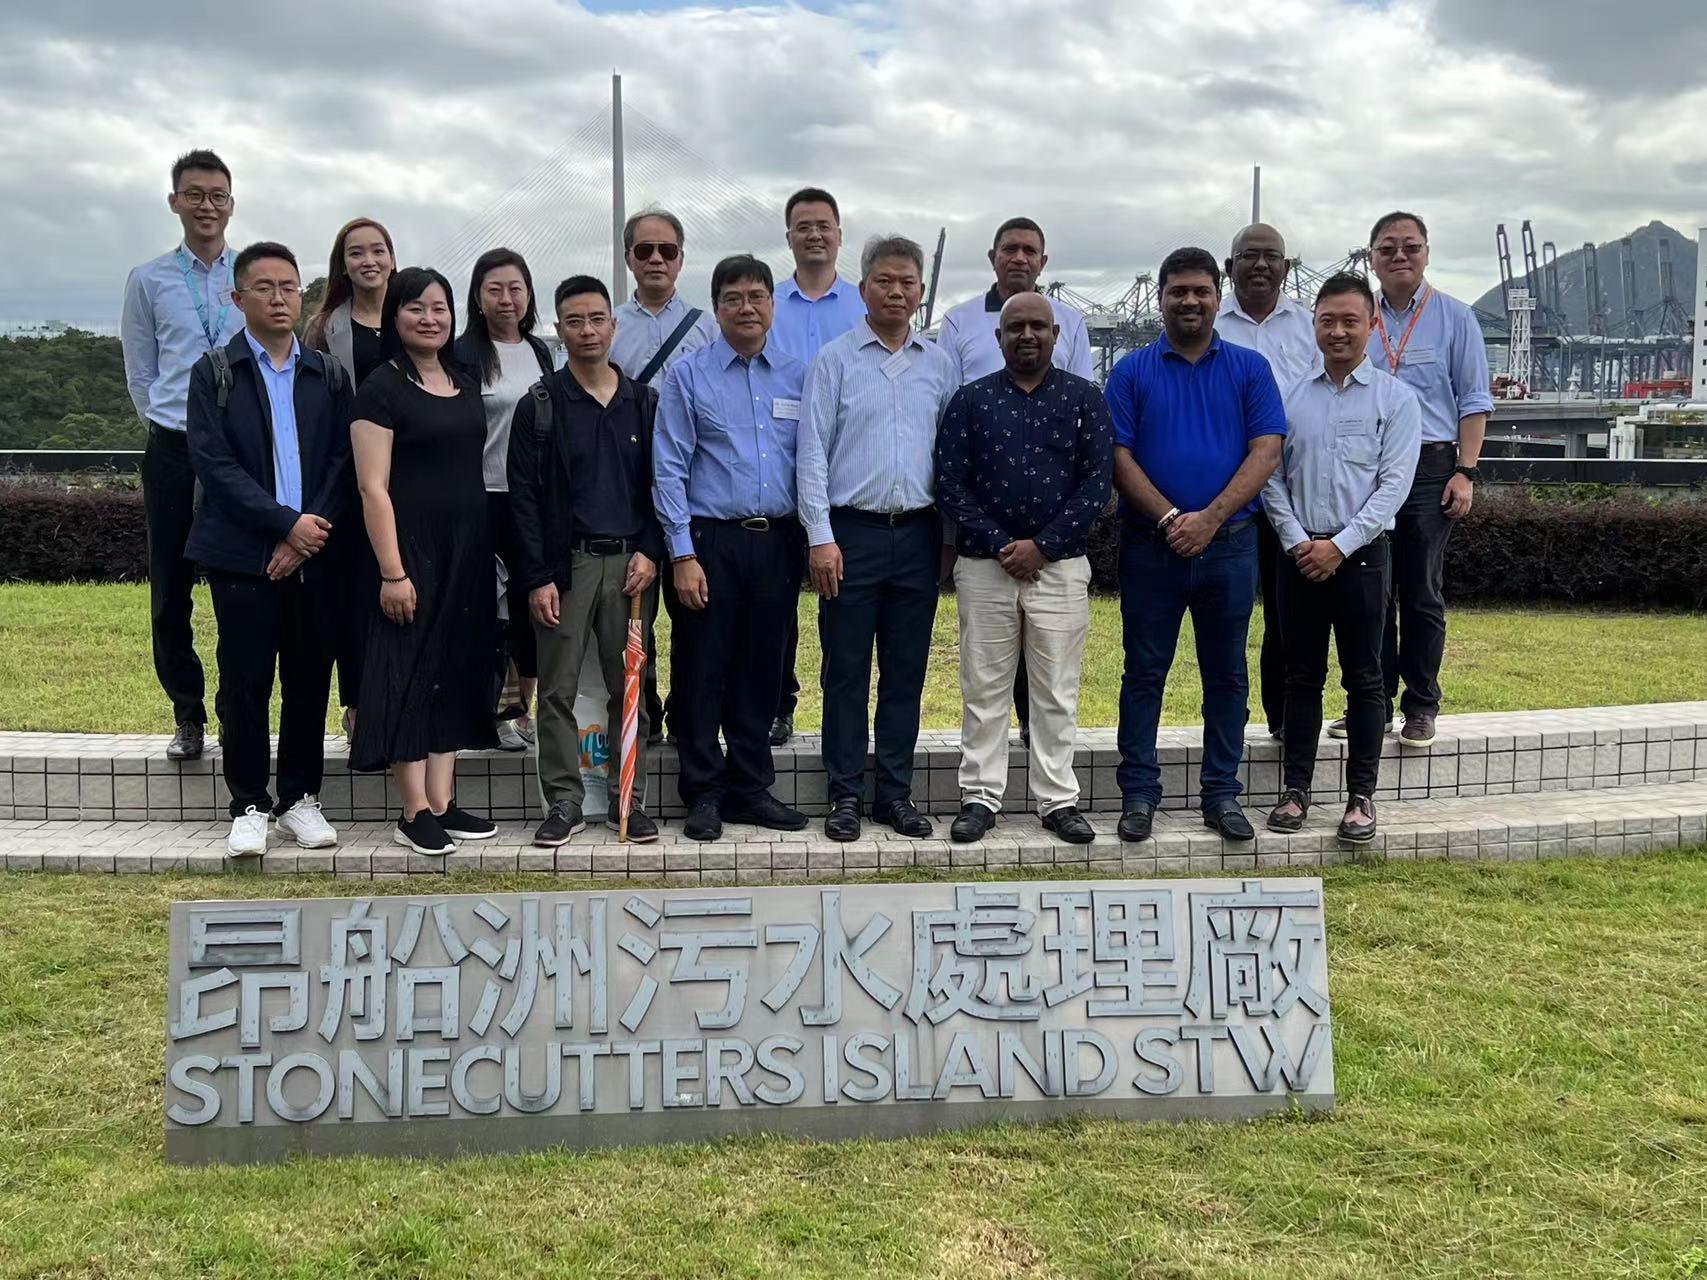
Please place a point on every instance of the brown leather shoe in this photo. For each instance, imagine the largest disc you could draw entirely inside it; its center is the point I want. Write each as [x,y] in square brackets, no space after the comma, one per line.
[1418,730]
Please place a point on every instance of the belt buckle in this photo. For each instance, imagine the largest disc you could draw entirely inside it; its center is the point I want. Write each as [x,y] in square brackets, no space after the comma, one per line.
[758,524]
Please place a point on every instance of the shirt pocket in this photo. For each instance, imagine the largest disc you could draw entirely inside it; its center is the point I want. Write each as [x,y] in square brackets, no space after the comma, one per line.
[1358,447]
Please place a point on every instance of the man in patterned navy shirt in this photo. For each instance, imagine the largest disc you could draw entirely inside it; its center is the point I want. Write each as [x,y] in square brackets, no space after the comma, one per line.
[1024,459]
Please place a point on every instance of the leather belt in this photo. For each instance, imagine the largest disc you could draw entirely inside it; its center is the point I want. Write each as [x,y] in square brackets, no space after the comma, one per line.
[888,519]
[605,546]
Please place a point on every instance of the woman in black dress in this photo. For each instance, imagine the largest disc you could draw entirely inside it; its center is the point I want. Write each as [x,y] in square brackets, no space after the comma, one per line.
[425,691]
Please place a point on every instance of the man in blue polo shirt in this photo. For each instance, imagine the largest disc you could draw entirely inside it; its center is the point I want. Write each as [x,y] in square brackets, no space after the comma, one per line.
[1198,424]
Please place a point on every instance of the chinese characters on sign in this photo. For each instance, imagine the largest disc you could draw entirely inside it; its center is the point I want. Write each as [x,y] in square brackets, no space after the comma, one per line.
[414,1024]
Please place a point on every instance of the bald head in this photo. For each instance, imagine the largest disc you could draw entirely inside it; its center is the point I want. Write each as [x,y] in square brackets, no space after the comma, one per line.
[1027,333]
[1257,268]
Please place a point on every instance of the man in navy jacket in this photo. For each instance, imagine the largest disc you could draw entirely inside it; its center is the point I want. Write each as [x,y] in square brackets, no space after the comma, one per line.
[269,437]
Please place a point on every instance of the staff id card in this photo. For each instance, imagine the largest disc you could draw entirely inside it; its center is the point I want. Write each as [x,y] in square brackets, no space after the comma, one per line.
[785,410]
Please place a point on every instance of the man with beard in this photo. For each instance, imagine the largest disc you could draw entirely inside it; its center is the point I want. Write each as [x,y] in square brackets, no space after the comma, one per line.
[1262,317]
[1198,424]
[1023,459]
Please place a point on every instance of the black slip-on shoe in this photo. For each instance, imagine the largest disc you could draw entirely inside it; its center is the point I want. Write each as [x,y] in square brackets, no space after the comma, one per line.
[904,818]
[1071,825]
[843,822]
[972,823]
[1135,820]
[1229,822]
[459,824]
[765,810]
[424,834]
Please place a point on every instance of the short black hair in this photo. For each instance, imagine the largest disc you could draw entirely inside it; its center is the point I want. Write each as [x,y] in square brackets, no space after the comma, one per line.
[810,195]
[1345,282]
[1018,224]
[1181,261]
[575,286]
[200,158]
[1398,215]
[742,266]
[636,219]
[255,252]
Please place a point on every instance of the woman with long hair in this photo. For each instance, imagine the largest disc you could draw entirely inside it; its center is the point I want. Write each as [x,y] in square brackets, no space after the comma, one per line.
[417,435]
[346,327]
[504,358]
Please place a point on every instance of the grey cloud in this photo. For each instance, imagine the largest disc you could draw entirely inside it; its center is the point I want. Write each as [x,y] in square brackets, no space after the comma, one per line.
[1645,49]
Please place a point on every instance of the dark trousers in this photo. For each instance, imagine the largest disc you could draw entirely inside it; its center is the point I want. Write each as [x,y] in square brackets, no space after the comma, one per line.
[1157,588]
[348,557]
[726,659]
[517,639]
[1272,664]
[292,624]
[169,502]
[1353,605]
[1415,640]
[888,597]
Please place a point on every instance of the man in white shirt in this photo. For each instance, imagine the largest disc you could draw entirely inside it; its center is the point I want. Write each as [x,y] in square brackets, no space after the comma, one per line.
[1261,316]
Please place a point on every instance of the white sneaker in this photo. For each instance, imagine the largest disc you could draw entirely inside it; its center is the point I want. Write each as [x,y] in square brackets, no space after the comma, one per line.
[248,838]
[510,738]
[308,825]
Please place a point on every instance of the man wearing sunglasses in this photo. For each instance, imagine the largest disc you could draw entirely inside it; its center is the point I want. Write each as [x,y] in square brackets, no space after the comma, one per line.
[1262,317]
[177,308]
[652,330]
[1432,344]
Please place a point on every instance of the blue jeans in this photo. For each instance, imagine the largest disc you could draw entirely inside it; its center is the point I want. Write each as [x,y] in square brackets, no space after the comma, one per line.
[1156,589]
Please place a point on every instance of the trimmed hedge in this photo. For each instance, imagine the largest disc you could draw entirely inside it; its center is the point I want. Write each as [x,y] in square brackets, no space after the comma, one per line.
[1515,547]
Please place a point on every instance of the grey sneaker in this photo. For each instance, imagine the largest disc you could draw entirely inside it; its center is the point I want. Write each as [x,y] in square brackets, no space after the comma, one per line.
[1337,729]
[1418,730]
[563,821]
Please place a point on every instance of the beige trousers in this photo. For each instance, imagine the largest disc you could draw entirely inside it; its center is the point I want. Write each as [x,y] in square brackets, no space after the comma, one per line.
[1051,618]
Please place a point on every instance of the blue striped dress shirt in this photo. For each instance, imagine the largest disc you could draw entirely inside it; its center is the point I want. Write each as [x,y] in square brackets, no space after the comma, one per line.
[868,427]
[161,330]
[723,445]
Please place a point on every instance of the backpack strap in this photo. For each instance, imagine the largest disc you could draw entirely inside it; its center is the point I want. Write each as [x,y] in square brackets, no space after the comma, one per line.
[221,363]
[541,411]
[335,375]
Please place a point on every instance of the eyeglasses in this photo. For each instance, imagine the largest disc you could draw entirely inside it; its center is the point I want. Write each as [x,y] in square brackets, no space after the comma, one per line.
[574,324]
[266,290]
[644,252]
[1410,249]
[195,197]
[1251,257]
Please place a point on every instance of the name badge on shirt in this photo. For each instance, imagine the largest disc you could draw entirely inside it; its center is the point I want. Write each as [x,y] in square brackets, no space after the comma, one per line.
[785,410]
[895,365]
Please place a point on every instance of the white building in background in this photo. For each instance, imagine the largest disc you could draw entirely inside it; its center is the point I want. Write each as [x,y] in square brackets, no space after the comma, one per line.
[1700,396]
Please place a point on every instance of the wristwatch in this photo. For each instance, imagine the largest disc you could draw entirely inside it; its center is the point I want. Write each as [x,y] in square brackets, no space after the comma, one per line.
[1472,474]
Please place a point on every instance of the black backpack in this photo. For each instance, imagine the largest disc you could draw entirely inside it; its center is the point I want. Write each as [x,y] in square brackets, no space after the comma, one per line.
[222,375]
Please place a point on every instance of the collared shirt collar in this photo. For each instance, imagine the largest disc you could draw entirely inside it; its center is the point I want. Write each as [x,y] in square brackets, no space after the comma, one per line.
[993,299]
[262,358]
[1282,304]
[575,391]
[1168,347]
[791,287]
[1049,375]
[674,300]
[227,255]
[1423,288]
[870,336]
[726,355]
[1363,373]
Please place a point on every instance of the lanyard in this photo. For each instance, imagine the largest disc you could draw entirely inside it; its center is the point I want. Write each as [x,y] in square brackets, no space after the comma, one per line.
[1396,357]
[211,333]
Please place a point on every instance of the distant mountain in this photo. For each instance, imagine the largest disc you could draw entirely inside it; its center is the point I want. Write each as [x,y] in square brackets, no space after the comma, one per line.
[1573,273]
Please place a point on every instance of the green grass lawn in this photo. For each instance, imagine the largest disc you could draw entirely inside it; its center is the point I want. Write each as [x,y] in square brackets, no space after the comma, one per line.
[1518,1047]
[76,658]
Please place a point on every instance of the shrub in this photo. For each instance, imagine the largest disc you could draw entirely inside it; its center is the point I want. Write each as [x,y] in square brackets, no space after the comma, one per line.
[54,534]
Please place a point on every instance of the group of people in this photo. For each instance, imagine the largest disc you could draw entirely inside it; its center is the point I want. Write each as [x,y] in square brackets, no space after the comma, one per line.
[450,520]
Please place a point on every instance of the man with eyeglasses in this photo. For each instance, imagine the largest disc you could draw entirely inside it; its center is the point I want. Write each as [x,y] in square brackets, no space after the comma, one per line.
[867,490]
[177,308]
[268,433]
[655,328]
[1262,317]
[1431,343]
[587,542]
[723,462]
[813,306]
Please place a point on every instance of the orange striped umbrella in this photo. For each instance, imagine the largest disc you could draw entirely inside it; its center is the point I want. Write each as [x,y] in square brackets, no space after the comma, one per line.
[633,665]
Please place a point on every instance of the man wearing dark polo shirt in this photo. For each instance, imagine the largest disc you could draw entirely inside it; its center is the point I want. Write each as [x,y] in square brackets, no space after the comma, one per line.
[1198,424]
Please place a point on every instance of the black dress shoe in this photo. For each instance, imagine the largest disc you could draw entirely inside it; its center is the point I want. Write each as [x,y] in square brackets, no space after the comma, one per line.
[906,820]
[782,729]
[1229,822]
[1279,820]
[843,822]
[1359,834]
[187,742]
[1135,821]
[972,823]
[703,822]
[1071,825]
[765,810]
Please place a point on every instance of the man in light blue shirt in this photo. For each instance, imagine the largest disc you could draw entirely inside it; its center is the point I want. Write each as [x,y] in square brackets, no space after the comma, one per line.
[1260,316]
[867,477]
[723,475]
[656,326]
[1432,344]
[281,403]
[813,306]
[1352,435]
[177,308]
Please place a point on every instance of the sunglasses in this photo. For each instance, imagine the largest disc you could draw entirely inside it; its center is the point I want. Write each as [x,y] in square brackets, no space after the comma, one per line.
[646,250]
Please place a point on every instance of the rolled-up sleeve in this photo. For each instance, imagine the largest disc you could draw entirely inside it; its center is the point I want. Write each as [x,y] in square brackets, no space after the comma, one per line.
[1470,366]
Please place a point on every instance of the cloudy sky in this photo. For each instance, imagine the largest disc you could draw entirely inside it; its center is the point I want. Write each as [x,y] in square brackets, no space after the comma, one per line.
[1126,127]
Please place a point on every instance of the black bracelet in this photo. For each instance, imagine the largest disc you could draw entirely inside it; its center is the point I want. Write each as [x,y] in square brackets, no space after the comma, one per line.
[393,581]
